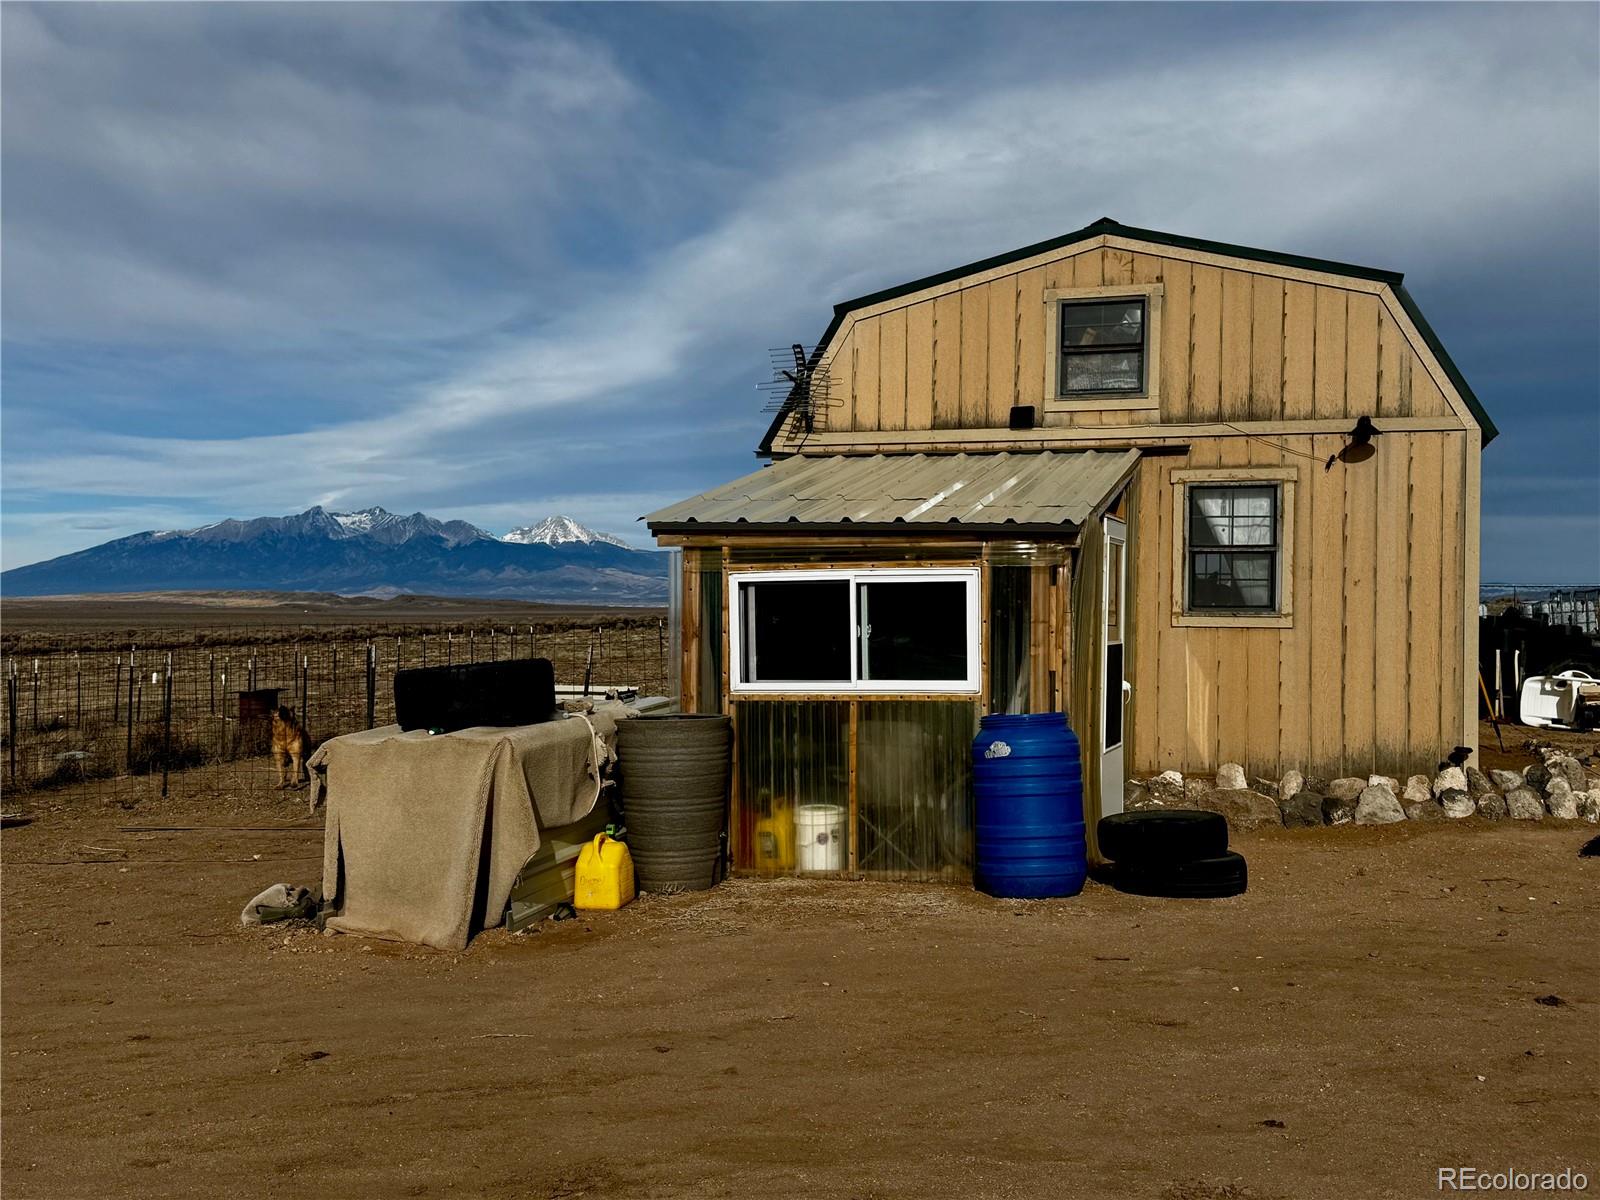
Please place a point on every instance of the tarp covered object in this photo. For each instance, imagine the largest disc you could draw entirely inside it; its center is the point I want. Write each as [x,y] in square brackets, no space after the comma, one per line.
[425,834]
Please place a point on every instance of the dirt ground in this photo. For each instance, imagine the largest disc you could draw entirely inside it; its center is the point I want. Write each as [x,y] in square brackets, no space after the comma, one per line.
[1518,742]
[1370,1011]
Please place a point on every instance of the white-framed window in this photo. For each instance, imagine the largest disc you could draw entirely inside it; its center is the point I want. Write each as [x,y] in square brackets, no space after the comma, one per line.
[883,630]
[1233,561]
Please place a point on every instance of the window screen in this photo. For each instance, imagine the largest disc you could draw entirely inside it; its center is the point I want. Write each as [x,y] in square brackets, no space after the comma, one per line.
[1102,347]
[1233,548]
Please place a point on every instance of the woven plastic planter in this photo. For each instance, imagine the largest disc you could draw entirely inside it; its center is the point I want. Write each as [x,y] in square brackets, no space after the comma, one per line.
[674,772]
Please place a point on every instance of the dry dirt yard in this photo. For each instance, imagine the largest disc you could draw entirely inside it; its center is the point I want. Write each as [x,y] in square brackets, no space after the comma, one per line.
[1368,1012]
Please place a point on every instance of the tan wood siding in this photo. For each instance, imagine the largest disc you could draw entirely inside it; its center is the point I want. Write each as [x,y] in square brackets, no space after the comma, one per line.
[1235,345]
[1370,674]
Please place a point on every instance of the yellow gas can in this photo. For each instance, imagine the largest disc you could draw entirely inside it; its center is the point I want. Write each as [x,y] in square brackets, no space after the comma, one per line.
[605,874]
[775,839]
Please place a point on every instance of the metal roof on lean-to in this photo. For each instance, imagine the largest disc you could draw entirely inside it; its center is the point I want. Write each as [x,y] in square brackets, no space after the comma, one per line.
[1002,492]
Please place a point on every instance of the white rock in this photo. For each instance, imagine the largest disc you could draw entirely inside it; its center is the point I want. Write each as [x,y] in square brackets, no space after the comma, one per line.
[1173,778]
[1506,780]
[1568,768]
[1291,785]
[1523,804]
[1457,803]
[1378,806]
[1418,789]
[1384,781]
[1347,788]
[1230,778]
[1560,801]
[1588,805]
[1450,779]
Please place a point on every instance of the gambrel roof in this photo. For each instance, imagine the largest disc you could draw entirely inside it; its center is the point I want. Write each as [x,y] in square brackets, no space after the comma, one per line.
[1106,227]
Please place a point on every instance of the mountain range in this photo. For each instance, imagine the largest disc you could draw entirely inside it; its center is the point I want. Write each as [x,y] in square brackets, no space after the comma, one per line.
[371,552]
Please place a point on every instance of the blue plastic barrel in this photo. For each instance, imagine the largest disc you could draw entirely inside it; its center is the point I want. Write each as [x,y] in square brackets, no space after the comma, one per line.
[1029,787]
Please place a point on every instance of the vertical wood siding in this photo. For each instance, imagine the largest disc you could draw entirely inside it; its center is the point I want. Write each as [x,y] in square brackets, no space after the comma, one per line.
[1370,674]
[1235,345]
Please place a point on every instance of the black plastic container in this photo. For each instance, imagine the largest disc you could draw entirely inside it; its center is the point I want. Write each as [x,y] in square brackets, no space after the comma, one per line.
[518,692]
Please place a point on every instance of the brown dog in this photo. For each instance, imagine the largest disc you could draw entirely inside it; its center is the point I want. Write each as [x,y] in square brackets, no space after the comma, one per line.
[289,745]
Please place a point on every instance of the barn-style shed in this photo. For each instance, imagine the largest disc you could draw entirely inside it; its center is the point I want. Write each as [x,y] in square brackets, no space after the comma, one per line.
[1122,474]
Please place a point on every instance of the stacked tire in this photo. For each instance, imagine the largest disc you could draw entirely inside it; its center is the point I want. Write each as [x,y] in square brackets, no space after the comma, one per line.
[1178,852]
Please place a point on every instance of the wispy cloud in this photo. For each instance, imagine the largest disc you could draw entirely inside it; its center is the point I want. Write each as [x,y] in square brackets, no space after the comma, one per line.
[579,304]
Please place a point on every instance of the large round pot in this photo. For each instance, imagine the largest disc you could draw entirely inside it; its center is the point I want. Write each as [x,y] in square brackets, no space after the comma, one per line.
[674,771]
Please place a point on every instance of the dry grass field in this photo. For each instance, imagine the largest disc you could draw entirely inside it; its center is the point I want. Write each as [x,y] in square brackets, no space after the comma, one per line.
[86,679]
[1376,1006]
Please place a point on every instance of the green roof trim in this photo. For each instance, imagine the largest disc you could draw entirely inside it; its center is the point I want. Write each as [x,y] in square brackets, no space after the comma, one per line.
[1106,226]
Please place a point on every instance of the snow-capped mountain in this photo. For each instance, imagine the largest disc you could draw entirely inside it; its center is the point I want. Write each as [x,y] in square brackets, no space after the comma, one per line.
[392,529]
[358,553]
[554,531]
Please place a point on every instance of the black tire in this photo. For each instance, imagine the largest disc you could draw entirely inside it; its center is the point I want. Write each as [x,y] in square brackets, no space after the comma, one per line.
[1155,837]
[1201,879]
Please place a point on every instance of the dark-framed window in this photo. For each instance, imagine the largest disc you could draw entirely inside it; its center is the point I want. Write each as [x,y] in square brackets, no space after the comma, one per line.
[1233,547]
[1102,345]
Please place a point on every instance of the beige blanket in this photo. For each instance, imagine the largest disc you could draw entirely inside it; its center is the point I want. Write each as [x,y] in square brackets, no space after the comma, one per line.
[425,834]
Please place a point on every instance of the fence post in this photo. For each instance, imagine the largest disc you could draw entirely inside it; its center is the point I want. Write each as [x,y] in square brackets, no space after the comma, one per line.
[511,632]
[116,690]
[77,679]
[424,649]
[588,668]
[211,678]
[372,683]
[129,756]
[305,692]
[36,694]
[11,718]
[472,645]
[222,725]
[166,726]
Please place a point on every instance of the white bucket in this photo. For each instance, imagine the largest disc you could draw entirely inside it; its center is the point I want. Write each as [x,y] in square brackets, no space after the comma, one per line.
[819,837]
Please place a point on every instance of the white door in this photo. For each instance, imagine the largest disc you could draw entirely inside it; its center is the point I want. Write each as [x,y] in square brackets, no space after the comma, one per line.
[1115,688]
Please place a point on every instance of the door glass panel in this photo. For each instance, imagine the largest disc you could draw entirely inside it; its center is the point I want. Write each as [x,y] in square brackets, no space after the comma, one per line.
[1113,695]
[1114,591]
[913,630]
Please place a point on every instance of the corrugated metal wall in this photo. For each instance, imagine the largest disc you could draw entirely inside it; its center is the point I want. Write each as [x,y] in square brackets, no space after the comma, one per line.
[914,788]
[913,782]
[788,753]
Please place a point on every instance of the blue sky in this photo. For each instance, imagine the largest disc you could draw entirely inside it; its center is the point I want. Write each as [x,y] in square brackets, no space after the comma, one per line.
[497,262]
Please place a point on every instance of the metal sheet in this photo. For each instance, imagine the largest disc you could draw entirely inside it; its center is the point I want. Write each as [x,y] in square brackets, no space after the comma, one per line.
[1048,488]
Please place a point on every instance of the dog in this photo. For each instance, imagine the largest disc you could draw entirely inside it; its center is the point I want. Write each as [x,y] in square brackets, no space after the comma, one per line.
[289,745]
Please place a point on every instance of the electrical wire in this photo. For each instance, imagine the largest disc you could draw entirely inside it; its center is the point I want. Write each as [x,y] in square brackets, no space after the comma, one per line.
[1275,445]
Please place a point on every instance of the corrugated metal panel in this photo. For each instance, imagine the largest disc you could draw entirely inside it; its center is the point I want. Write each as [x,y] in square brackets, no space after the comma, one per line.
[1050,488]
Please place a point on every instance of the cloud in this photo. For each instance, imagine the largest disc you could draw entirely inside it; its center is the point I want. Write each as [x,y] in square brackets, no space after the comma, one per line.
[432,185]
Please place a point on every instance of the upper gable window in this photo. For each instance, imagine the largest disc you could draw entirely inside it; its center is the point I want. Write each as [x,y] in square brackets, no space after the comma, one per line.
[1103,347]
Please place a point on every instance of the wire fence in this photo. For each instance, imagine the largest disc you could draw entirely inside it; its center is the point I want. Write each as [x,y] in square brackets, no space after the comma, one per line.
[189,711]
